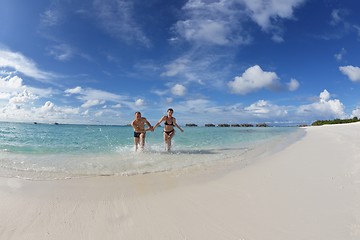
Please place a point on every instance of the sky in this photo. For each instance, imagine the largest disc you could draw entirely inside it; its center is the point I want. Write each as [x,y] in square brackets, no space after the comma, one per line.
[283,62]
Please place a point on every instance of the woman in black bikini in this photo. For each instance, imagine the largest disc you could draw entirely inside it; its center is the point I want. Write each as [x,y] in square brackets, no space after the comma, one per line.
[169,130]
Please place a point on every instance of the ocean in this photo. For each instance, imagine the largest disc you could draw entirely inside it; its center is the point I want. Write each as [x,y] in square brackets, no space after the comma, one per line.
[51,152]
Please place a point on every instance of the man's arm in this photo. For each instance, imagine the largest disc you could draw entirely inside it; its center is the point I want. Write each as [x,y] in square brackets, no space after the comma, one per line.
[148,124]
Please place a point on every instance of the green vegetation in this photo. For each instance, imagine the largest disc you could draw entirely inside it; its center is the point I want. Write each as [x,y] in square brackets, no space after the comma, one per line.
[335,121]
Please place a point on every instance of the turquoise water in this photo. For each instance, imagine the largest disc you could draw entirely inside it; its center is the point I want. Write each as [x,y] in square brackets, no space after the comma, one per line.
[44,151]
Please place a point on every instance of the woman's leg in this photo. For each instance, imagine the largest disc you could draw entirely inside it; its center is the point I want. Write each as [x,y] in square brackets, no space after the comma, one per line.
[167,140]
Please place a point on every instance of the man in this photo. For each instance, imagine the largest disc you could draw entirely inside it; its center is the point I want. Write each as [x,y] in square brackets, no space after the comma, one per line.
[139,130]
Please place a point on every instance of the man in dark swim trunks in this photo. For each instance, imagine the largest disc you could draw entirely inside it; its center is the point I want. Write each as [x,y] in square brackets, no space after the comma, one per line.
[139,130]
[169,130]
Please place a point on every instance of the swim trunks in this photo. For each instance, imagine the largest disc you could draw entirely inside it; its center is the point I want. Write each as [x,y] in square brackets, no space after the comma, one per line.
[137,134]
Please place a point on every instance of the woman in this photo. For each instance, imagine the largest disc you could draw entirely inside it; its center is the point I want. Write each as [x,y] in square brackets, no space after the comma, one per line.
[169,130]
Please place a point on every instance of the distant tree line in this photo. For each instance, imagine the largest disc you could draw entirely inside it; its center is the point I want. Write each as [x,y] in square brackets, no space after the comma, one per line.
[334,121]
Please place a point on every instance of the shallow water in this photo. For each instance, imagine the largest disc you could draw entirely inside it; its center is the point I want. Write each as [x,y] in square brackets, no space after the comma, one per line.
[43,151]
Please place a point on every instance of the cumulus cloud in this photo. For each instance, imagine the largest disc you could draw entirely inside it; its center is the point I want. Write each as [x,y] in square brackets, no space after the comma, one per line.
[324,96]
[24,65]
[23,97]
[178,90]
[51,112]
[324,108]
[10,83]
[253,79]
[19,102]
[48,107]
[139,102]
[353,73]
[356,112]
[293,85]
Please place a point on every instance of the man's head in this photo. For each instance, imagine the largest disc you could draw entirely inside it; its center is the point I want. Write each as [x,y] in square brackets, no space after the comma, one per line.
[137,115]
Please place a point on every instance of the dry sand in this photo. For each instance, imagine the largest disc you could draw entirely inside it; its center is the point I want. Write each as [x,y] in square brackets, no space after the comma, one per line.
[309,190]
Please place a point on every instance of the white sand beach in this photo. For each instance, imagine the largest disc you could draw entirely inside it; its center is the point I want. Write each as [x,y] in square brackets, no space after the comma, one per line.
[308,191]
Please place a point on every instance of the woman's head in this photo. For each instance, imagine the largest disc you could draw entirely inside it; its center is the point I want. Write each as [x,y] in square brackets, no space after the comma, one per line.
[170,111]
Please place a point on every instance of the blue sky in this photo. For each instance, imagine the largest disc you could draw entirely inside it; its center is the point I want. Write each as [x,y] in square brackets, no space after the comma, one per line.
[212,61]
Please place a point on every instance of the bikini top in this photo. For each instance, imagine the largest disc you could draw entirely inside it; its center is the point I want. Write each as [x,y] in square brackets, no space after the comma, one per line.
[166,123]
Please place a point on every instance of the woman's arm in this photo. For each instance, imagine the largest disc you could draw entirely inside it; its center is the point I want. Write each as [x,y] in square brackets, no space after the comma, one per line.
[159,122]
[177,125]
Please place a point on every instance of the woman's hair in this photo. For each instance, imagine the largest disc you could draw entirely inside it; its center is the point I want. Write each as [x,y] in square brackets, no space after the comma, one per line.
[170,109]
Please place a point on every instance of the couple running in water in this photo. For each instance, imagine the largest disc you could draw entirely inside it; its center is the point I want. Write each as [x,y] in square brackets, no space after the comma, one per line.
[139,129]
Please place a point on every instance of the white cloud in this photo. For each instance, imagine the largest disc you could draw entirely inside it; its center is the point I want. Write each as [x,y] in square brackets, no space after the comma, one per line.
[61,52]
[200,67]
[117,18]
[224,22]
[194,105]
[10,83]
[92,102]
[23,97]
[204,30]
[293,85]
[353,73]
[215,22]
[253,79]
[263,12]
[178,90]
[76,90]
[93,97]
[357,29]
[51,17]
[5,95]
[24,65]
[324,108]
[324,96]
[116,106]
[47,107]
[356,112]
[264,109]
[169,100]
[339,56]
[337,16]
[139,102]
[176,67]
